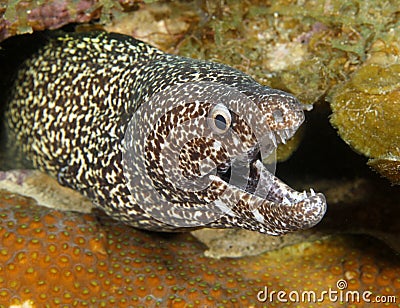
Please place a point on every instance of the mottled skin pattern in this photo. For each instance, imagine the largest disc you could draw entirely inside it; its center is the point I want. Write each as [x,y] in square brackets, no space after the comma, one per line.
[70,109]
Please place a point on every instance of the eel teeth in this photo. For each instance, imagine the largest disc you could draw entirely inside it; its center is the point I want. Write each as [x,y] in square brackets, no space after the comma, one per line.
[312,192]
[284,135]
[286,201]
[275,142]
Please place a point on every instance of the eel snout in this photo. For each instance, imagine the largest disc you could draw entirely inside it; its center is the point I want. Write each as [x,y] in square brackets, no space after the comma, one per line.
[283,114]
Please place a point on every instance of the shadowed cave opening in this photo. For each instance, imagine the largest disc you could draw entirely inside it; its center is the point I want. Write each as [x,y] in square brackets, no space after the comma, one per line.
[322,154]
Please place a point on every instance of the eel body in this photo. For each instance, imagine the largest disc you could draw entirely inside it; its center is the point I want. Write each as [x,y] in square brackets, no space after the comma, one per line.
[158,141]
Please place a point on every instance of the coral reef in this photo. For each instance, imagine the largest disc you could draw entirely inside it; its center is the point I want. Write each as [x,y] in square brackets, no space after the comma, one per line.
[60,258]
[18,17]
[366,112]
[304,49]
[330,50]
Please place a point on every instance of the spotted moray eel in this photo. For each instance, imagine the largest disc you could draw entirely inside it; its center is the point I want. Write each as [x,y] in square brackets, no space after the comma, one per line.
[89,108]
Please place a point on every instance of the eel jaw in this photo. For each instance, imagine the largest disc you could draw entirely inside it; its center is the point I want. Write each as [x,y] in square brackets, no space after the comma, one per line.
[268,205]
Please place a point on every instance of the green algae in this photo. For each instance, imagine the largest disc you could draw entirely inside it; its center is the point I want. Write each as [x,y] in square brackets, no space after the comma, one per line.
[305,48]
[366,112]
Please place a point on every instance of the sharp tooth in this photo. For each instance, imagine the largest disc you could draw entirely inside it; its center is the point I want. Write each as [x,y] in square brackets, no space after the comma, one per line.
[282,136]
[273,138]
[307,107]
[312,192]
[304,194]
[279,137]
[213,177]
[287,134]
[286,201]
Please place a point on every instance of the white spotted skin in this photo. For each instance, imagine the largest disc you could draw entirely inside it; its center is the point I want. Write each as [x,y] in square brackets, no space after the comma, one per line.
[71,104]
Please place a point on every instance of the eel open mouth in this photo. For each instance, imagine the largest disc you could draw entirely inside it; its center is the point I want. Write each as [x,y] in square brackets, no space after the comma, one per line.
[278,191]
[262,201]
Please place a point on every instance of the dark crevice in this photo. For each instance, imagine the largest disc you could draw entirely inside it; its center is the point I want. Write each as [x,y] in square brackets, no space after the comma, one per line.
[322,154]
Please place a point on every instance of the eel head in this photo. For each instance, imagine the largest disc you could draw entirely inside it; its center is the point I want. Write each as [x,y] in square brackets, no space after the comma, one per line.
[193,158]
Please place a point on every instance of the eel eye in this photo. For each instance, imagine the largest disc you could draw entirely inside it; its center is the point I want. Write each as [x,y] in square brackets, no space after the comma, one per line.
[220,119]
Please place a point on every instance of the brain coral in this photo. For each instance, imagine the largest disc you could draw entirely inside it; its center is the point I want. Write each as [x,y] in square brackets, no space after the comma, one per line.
[67,259]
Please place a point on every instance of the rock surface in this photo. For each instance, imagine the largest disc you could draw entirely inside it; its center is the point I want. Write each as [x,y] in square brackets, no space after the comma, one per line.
[366,112]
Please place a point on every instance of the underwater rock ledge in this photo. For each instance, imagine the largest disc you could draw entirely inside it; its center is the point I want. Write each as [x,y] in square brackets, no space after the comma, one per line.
[366,112]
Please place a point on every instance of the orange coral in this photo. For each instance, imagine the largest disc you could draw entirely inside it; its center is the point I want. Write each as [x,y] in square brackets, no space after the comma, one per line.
[56,258]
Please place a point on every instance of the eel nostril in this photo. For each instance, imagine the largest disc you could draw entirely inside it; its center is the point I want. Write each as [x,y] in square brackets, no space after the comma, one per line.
[278,115]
